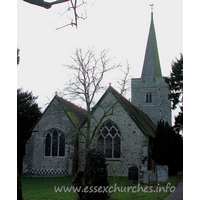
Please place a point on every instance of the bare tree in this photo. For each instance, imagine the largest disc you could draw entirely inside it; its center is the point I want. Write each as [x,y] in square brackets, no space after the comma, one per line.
[72,6]
[86,83]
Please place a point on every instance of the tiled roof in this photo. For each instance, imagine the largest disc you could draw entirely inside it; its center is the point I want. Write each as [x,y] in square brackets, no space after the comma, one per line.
[141,118]
[75,113]
[78,115]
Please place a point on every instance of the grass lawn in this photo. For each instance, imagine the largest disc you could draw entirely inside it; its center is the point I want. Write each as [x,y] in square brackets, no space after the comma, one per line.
[43,188]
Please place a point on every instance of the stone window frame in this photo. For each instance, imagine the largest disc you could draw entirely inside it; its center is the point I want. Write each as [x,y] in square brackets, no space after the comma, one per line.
[60,134]
[113,137]
[148,97]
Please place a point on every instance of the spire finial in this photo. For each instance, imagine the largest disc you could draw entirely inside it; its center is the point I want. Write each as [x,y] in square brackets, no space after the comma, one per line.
[151,8]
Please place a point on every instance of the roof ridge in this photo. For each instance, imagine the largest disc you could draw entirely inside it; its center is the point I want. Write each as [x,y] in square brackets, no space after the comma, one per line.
[130,102]
[75,106]
[140,112]
[127,99]
[76,114]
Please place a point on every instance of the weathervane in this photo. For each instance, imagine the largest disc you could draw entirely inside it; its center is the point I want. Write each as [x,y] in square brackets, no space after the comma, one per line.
[151,8]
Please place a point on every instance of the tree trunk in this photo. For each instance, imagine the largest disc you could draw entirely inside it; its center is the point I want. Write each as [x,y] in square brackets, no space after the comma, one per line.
[95,174]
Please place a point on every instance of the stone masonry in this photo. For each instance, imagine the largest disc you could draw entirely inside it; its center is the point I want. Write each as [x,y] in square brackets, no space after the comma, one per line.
[150,92]
[128,130]
[132,139]
[35,162]
[160,106]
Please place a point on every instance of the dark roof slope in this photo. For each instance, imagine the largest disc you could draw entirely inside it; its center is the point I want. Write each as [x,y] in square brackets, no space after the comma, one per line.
[141,118]
[75,113]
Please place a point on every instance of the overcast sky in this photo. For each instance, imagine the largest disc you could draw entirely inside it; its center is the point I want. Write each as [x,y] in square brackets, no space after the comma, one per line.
[121,27]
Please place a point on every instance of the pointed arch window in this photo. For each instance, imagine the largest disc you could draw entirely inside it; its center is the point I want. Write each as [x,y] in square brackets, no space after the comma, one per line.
[148,98]
[48,145]
[109,140]
[55,143]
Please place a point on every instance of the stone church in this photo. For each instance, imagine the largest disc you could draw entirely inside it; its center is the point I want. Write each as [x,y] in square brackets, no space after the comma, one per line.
[150,92]
[56,147]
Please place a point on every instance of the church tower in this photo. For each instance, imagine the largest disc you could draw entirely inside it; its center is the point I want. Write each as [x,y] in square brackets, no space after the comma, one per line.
[150,92]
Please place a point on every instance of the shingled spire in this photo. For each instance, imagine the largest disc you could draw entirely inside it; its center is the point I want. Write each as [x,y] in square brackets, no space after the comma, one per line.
[150,92]
[151,66]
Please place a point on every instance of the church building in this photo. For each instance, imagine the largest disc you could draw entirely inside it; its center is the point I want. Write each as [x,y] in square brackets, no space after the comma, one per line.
[150,92]
[57,145]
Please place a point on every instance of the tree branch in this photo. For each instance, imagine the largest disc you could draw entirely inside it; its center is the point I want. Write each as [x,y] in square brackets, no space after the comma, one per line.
[89,71]
[74,6]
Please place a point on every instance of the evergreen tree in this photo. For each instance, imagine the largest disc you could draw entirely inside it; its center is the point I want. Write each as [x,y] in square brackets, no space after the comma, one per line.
[28,113]
[175,82]
[168,148]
